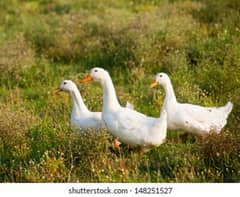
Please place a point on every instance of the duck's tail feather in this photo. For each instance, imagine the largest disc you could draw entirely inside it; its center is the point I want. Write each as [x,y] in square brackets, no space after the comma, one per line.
[129,105]
[228,108]
[163,122]
[222,121]
[163,115]
[159,129]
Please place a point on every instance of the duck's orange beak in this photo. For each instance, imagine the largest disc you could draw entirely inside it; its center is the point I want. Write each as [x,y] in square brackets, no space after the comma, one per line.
[55,91]
[155,83]
[86,79]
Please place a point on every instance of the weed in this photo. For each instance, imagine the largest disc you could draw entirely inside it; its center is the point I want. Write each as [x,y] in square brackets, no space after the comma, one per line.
[43,42]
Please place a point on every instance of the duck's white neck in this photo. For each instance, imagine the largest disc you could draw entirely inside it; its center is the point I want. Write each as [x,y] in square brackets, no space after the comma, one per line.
[110,101]
[170,95]
[79,108]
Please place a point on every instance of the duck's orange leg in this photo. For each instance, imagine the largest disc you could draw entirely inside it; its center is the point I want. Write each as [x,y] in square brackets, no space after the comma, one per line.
[117,144]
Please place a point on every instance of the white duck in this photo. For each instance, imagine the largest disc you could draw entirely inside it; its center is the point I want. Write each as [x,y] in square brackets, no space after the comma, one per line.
[191,118]
[81,117]
[129,126]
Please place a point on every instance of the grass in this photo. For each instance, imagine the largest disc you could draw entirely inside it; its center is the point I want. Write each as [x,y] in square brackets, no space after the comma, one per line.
[44,42]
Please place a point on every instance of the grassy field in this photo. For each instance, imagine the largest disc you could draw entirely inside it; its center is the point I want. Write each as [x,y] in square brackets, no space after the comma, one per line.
[45,41]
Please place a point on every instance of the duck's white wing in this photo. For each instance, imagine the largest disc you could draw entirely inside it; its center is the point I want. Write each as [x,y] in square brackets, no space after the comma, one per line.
[129,126]
[198,113]
[202,120]
[129,119]
[94,120]
[195,126]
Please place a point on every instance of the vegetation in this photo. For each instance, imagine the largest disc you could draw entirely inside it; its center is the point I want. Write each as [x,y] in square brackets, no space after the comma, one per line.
[43,42]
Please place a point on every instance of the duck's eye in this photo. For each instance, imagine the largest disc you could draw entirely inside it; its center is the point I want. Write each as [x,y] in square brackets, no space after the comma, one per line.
[95,71]
[64,82]
[160,75]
